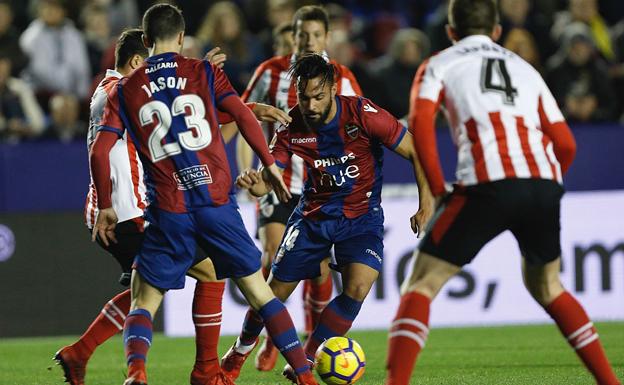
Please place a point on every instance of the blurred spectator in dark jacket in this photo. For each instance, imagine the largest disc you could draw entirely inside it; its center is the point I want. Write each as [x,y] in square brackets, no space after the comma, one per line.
[586,12]
[341,49]
[224,27]
[9,37]
[617,69]
[65,124]
[579,80]
[57,52]
[278,12]
[394,72]
[97,34]
[20,115]
[518,14]
[435,28]
[521,42]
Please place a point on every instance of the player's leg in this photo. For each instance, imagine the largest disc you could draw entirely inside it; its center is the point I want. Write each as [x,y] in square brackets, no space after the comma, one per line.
[270,235]
[73,358]
[317,293]
[207,313]
[224,236]
[338,316]
[463,224]
[538,233]
[167,253]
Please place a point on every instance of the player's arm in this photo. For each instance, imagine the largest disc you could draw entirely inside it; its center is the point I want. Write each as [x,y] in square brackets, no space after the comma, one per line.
[256,181]
[426,200]
[555,127]
[99,162]
[425,97]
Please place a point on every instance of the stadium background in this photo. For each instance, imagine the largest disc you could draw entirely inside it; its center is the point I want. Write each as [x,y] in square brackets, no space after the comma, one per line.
[54,281]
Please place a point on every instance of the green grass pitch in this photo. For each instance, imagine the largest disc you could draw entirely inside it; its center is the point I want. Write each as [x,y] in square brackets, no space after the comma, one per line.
[533,355]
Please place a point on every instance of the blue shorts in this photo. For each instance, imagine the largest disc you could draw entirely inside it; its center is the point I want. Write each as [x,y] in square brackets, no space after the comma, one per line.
[307,242]
[171,239]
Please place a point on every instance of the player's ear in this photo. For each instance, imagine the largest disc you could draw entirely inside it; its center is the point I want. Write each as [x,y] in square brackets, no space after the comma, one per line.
[136,61]
[334,89]
[146,42]
[181,38]
[497,32]
[451,34]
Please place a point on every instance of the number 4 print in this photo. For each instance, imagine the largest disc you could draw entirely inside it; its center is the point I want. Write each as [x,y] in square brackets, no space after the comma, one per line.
[503,84]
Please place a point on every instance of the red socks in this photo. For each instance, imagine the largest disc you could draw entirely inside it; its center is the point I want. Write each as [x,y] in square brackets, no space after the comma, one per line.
[109,322]
[582,336]
[207,307]
[315,298]
[407,337]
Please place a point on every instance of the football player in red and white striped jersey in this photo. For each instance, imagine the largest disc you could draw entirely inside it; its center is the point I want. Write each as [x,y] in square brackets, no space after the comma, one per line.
[272,84]
[513,147]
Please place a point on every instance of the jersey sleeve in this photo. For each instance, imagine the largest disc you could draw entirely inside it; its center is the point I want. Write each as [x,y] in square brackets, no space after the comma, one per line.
[111,118]
[425,97]
[279,147]
[222,86]
[349,85]
[380,124]
[258,87]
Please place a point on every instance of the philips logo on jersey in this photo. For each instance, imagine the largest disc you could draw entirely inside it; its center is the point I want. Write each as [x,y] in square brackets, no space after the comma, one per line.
[331,161]
[192,177]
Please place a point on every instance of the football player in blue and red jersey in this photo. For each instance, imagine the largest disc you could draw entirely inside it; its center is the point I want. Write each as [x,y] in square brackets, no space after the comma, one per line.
[341,140]
[169,108]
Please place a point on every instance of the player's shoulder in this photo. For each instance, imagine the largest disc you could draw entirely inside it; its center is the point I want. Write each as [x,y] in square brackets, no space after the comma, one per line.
[279,63]
[341,68]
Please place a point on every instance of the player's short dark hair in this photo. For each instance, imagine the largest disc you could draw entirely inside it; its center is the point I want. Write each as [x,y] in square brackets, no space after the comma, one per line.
[162,21]
[310,66]
[130,43]
[282,28]
[311,13]
[472,17]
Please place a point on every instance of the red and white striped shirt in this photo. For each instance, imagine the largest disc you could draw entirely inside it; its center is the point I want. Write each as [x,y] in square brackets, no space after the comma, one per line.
[128,189]
[504,120]
[271,84]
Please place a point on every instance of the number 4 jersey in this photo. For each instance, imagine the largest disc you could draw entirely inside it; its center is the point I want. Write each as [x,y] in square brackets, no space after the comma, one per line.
[500,111]
[169,108]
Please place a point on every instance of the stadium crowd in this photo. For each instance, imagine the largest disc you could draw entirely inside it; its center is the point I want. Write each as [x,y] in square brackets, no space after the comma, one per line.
[54,52]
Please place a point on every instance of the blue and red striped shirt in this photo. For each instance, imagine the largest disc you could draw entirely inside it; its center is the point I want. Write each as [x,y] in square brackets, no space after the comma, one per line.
[343,158]
[169,107]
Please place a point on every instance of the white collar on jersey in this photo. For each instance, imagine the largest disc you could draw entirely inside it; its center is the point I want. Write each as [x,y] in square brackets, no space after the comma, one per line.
[475,39]
[113,73]
[293,57]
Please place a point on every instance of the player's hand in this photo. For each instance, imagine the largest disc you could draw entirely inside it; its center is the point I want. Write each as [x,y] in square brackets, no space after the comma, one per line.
[273,176]
[248,178]
[216,57]
[421,218]
[105,226]
[267,113]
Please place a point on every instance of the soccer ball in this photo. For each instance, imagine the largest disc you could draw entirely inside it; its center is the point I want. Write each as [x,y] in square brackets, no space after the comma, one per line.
[340,360]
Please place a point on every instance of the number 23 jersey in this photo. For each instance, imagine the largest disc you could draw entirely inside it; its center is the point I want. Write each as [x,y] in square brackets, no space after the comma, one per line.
[169,107]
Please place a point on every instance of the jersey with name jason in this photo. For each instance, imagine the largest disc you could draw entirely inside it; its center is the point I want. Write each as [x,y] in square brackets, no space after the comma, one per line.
[343,158]
[169,106]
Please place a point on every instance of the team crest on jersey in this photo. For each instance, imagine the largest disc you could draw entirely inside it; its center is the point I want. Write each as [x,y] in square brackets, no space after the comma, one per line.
[352,130]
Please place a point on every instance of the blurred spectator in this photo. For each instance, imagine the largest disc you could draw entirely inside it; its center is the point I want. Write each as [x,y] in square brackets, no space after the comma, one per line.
[521,42]
[64,115]
[224,27]
[57,52]
[97,34]
[517,14]
[191,48]
[617,69]
[339,17]
[578,78]
[9,37]
[20,115]
[278,12]
[122,14]
[586,12]
[283,40]
[342,50]
[395,71]
[435,28]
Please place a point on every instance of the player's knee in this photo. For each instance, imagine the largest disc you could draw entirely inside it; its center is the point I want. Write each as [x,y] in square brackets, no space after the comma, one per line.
[358,290]
[545,292]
